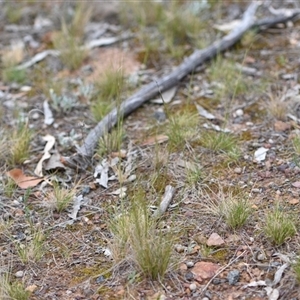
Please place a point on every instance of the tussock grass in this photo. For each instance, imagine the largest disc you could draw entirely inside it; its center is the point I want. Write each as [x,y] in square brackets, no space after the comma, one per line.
[109,89]
[194,173]
[72,55]
[151,13]
[19,144]
[276,106]
[176,23]
[11,57]
[228,79]
[233,207]
[9,187]
[60,198]
[279,225]
[296,269]
[220,142]
[32,249]
[137,238]
[296,144]
[236,211]
[111,142]
[12,290]
[181,128]
[69,40]
[11,74]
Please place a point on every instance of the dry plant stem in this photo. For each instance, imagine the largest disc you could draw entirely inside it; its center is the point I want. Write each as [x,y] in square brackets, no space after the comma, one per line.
[167,198]
[151,90]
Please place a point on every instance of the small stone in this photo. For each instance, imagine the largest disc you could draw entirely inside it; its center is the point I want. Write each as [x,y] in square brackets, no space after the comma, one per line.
[189,276]
[255,190]
[190,264]
[233,277]
[9,103]
[160,116]
[183,267]
[215,240]
[35,116]
[239,112]
[19,274]
[85,190]
[238,170]
[179,248]
[6,216]
[193,286]
[261,257]
[216,281]
[100,279]
[25,88]
[204,270]
[31,288]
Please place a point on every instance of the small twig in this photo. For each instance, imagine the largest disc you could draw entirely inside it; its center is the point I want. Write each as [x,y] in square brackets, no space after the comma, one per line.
[221,270]
[166,200]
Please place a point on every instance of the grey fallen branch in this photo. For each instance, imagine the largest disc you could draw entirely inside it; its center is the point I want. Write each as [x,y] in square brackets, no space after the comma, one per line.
[190,64]
[166,200]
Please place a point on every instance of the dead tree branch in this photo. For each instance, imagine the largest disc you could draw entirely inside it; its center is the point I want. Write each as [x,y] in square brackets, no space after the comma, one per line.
[86,151]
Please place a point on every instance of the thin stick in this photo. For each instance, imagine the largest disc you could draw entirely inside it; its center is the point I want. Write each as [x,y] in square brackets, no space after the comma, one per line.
[166,200]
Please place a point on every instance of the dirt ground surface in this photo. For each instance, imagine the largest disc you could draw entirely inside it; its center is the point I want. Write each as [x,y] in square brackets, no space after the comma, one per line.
[209,259]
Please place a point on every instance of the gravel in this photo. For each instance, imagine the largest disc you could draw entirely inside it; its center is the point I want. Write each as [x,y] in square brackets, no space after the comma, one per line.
[233,277]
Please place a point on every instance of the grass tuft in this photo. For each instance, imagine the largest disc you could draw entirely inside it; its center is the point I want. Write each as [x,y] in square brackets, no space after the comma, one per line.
[12,74]
[181,128]
[61,198]
[233,207]
[33,248]
[111,142]
[228,79]
[108,88]
[19,145]
[296,144]
[296,269]
[279,226]
[12,290]
[68,41]
[220,142]
[277,106]
[236,211]
[136,237]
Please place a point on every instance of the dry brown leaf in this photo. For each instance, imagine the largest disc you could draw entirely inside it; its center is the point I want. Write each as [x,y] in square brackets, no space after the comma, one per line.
[157,139]
[22,180]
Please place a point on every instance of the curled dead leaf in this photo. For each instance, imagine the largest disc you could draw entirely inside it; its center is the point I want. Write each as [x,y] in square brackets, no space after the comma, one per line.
[22,180]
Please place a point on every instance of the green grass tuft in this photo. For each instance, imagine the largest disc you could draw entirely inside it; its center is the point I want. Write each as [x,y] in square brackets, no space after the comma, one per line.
[136,237]
[279,226]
